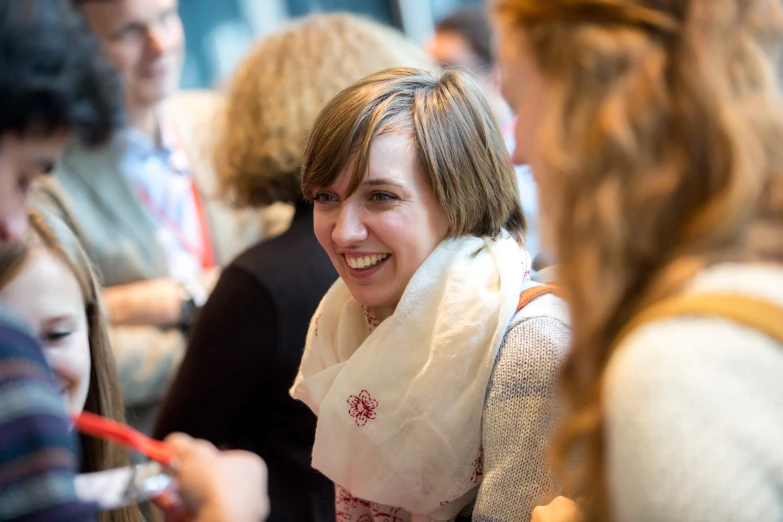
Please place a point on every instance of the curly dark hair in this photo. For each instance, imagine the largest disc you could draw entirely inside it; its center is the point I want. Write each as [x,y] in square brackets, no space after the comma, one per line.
[53,74]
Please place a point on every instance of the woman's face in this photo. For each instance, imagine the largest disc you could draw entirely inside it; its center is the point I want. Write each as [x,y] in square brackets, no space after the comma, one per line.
[524,89]
[381,234]
[46,295]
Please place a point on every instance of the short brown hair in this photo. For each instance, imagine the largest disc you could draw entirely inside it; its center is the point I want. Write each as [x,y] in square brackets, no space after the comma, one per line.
[460,148]
[278,90]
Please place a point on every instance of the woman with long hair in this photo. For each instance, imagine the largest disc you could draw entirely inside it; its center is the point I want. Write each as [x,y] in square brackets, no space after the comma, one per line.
[49,282]
[653,128]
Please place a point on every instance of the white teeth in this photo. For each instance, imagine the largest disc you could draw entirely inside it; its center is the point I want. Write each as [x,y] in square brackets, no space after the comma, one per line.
[360,263]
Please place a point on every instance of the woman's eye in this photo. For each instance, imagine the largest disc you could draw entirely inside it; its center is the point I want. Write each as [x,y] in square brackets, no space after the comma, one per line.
[382,197]
[324,198]
[54,336]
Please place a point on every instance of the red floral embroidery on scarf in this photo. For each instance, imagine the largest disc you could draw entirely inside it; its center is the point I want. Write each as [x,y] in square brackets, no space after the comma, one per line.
[316,324]
[362,407]
[341,516]
[365,518]
[478,468]
[344,498]
[527,271]
[369,317]
[444,503]
[388,513]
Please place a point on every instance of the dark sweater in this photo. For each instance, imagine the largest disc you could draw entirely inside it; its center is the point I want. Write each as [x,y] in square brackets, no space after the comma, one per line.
[245,349]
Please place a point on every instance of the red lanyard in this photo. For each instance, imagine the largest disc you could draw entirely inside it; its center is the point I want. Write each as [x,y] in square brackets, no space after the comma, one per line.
[203,252]
[113,431]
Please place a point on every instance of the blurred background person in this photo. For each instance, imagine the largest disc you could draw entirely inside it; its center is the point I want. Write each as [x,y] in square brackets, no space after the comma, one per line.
[654,130]
[232,388]
[463,39]
[144,203]
[50,284]
[53,84]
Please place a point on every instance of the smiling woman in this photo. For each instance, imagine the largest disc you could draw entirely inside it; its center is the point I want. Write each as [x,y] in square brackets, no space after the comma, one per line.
[412,361]
[368,233]
[49,283]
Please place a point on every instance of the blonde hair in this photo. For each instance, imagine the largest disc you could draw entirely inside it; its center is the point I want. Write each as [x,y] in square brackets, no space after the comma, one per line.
[103,396]
[459,146]
[661,141]
[278,90]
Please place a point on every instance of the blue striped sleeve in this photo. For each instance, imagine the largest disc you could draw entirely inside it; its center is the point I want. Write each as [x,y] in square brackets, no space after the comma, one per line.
[38,456]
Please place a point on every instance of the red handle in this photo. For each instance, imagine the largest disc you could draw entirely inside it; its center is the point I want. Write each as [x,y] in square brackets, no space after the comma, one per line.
[113,431]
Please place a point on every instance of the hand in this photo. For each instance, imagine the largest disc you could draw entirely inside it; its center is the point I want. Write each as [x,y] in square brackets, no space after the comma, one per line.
[561,509]
[155,302]
[215,486]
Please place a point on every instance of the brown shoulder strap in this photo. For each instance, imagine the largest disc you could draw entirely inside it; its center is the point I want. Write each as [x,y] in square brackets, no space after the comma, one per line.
[531,293]
[759,314]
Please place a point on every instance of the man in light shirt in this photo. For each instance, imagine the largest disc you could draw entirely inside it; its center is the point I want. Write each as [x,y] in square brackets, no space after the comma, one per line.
[146,204]
[52,88]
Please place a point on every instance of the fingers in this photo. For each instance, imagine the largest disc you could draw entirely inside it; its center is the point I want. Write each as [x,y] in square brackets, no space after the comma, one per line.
[561,509]
[185,445]
[171,506]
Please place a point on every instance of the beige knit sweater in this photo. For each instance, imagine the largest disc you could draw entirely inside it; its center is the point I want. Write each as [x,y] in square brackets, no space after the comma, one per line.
[695,413]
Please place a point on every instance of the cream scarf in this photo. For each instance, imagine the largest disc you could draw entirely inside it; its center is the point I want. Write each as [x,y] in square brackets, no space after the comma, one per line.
[399,404]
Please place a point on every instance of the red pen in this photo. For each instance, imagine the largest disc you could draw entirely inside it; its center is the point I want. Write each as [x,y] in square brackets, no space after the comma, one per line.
[113,431]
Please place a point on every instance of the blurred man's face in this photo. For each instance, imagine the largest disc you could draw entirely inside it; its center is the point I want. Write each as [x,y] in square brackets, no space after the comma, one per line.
[449,48]
[145,41]
[22,159]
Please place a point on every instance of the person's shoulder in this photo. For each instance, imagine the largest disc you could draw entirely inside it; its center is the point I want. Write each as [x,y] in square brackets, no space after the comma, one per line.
[687,352]
[537,336]
[267,258]
[544,320]
[533,351]
[683,350]
[292,258]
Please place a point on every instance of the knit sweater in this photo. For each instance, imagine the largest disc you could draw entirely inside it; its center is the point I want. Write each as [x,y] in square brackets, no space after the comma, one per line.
[38,454]
[693,413]
[519,417]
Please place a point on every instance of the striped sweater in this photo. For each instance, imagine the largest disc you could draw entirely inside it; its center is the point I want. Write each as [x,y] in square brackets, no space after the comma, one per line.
[37,452]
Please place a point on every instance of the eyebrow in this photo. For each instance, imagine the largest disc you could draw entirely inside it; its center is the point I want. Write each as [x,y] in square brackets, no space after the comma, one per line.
[61,318]
[382,181]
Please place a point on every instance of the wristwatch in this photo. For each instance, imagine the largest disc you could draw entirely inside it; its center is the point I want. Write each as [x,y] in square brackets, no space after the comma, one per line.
[193,298]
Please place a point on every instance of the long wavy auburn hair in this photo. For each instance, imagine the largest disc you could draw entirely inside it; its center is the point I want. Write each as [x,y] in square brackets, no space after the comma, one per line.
[662,146]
